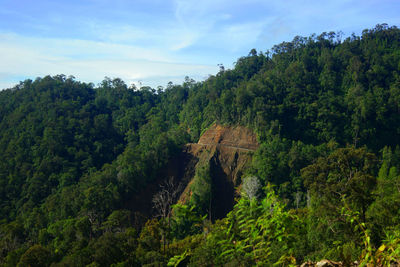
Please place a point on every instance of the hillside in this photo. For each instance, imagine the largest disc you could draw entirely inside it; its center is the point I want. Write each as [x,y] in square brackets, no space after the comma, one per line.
[292,156]
[227,151]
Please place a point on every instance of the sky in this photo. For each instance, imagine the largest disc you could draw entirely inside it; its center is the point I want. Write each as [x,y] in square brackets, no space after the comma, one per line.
[153,42]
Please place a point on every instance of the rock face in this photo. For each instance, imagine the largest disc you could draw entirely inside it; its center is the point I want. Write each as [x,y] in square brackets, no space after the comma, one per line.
[229,137]
[228,151]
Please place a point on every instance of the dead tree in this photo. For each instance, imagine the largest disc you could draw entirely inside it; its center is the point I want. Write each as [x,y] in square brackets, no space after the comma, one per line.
[165,198]
[163,201]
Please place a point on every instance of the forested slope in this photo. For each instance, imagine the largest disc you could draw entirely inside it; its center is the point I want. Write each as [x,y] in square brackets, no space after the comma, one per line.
[323,183]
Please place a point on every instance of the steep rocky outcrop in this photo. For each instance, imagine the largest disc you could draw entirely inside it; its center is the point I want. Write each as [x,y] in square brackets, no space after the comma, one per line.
[227,150]
[238,137]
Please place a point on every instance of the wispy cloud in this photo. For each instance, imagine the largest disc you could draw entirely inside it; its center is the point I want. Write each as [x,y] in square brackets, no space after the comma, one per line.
[158,40]
[90,61]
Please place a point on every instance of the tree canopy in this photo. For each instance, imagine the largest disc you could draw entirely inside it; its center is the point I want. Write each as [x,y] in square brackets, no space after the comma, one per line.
[324,182]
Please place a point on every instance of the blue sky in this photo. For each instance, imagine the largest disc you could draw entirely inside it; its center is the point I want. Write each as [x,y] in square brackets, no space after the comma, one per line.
[157,41]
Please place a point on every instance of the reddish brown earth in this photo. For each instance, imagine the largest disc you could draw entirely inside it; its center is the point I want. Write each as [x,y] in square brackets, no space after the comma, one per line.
[227,149]
[232,137]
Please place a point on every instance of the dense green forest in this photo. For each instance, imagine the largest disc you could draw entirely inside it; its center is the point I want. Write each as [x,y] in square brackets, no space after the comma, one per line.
[324,182]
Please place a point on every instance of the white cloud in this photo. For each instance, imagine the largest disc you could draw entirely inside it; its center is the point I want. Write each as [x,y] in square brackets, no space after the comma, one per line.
[170,39]
[89,61]
[197,20]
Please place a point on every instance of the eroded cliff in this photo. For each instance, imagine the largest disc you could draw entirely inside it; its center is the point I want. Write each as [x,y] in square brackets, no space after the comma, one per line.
[227,150]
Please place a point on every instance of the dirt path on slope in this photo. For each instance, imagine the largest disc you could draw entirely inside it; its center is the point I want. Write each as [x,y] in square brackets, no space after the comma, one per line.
[228,146]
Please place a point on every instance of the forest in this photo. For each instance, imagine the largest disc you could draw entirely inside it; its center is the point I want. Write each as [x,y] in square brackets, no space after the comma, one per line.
[324,182]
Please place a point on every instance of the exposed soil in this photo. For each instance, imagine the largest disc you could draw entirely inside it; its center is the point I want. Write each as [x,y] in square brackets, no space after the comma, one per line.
[228,150]
[234,137]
